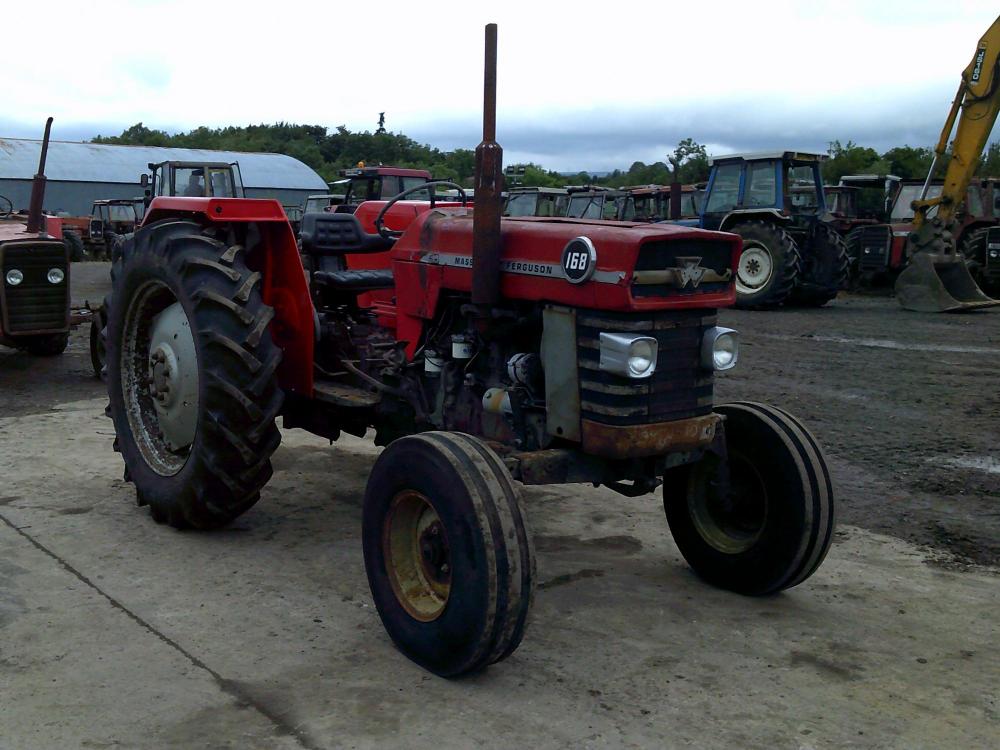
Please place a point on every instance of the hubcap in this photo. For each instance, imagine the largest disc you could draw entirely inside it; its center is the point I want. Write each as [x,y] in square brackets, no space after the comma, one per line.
[755,268]
[159,378]
[417,555]
[730,519]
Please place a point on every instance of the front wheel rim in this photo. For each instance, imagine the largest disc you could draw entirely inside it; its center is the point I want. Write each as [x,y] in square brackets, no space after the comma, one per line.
[159,378]
[734,521]
[417,556]
[755,268]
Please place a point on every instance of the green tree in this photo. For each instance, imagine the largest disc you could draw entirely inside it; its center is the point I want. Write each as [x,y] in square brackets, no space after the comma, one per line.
[908,162]
[849,158]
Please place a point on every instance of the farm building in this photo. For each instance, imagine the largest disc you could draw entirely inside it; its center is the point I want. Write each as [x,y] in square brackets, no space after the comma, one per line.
[80,173]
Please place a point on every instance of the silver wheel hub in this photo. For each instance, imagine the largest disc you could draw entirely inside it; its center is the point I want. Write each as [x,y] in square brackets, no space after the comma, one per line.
[173,376]
[755,268]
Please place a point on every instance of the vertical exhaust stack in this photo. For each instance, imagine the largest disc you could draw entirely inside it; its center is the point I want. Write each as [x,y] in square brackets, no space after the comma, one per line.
[489,189]
[38,186]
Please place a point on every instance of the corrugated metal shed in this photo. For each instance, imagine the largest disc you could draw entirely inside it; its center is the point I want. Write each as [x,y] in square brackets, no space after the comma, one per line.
[94,162]
[79,173]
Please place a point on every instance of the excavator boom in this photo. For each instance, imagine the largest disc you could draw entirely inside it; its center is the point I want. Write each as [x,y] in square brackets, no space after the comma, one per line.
[937,279]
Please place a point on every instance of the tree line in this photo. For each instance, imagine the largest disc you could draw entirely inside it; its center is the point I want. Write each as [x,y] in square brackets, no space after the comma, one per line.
[328,152]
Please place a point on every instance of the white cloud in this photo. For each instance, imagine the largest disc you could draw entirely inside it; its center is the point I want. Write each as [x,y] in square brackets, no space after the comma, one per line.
[563,66]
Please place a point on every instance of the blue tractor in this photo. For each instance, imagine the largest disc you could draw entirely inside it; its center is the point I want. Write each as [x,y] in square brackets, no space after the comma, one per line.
[791,251]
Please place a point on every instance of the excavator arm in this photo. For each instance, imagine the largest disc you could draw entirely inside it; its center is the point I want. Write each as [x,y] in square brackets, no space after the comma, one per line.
[978,103]
[937,279]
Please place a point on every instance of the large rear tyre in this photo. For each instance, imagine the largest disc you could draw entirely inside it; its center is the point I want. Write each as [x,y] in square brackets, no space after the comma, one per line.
[447,552]
[773,527]
[191,375]
[769,265]
[98,350]
[825,268]
[74,246]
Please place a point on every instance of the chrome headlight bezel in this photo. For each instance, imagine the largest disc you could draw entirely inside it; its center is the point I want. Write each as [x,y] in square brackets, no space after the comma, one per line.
[14,276]
[711,349]
[55,276]
[629,355]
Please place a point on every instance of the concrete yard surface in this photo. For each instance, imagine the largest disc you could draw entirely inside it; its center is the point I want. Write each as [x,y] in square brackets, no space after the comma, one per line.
[116,632]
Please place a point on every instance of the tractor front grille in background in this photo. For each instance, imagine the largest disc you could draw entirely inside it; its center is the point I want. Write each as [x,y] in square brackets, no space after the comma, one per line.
[662,254]
[34,304]
[872,247]
[991,261]
[678,389]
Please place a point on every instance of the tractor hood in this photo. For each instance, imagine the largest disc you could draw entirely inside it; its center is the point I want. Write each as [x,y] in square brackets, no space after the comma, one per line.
[584,263]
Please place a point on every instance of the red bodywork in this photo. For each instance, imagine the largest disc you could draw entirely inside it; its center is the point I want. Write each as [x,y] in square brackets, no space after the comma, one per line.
[434,256]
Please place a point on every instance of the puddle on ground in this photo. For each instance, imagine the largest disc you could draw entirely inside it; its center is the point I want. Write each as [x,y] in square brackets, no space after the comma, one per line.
[987,464]
[889,344]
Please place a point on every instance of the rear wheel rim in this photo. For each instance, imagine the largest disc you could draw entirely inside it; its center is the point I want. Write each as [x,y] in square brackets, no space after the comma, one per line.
[755,268]
[417,556]
[159,378]
[731,522]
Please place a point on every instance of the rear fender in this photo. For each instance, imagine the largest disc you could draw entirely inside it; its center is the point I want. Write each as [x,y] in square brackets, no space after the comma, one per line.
[765,214]
[275,256]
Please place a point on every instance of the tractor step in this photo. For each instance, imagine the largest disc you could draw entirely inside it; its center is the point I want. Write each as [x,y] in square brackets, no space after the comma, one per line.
[346,396]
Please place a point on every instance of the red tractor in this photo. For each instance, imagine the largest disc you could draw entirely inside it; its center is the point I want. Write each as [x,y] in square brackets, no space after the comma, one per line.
[483,353]
[34,275]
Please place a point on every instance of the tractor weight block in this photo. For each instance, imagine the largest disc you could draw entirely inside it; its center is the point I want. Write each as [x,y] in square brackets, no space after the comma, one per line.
[935,282]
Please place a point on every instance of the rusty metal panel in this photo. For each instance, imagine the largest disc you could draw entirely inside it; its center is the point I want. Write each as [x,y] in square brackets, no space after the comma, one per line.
[562,381]
[657,439]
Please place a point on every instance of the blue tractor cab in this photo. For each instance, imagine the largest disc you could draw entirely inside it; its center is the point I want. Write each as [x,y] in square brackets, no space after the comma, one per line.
[774,201]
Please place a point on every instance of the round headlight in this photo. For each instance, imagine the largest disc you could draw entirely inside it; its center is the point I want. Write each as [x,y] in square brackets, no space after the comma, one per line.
[14,277]
[726,351]
[641,358]
[55,275]
[995,253]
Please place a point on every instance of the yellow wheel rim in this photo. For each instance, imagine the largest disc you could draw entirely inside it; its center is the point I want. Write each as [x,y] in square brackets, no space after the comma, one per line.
[417,556]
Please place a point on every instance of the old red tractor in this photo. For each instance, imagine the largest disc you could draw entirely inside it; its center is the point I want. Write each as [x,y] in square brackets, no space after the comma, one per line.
[483,353]
[34,274]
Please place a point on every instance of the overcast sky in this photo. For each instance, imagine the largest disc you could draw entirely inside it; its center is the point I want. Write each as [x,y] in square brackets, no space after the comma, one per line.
[582,85]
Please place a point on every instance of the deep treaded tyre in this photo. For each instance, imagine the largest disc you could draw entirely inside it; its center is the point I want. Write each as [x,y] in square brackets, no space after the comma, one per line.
[50,345]
[774,528]
[98,336]
[769,265]
[191,375]
[447,552]
[825,268]
[74,244]
[973,247]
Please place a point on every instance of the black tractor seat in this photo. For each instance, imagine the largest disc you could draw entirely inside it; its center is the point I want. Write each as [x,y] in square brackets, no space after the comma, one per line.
[326,233]
[354,282]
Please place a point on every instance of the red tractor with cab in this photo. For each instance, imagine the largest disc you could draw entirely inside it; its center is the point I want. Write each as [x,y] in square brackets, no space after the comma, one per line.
[484,353]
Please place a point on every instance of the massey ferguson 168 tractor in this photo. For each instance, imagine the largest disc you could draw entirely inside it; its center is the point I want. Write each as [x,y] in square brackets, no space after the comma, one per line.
[483,353]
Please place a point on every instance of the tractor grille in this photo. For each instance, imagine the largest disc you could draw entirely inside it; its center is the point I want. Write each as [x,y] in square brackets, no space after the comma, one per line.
[34,305]
[662,254]
[872,247]
[678,389]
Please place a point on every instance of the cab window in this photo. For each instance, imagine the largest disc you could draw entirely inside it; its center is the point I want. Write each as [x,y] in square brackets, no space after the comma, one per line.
[760,190]
[725,189]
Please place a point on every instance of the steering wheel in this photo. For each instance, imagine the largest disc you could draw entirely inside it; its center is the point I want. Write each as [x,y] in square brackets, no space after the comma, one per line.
[391,233]
[5,212]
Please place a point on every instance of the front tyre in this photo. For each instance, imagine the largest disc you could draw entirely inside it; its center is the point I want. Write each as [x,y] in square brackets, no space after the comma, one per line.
[191,375]
[447,552]
[764,525]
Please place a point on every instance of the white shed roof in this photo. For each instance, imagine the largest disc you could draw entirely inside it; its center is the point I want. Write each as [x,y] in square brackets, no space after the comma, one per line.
[98,162]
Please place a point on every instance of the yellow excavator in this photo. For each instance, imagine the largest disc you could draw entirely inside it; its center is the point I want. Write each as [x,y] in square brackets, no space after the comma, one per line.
[937,279]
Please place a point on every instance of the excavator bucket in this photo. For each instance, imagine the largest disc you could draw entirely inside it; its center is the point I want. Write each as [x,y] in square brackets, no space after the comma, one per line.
[936,282]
